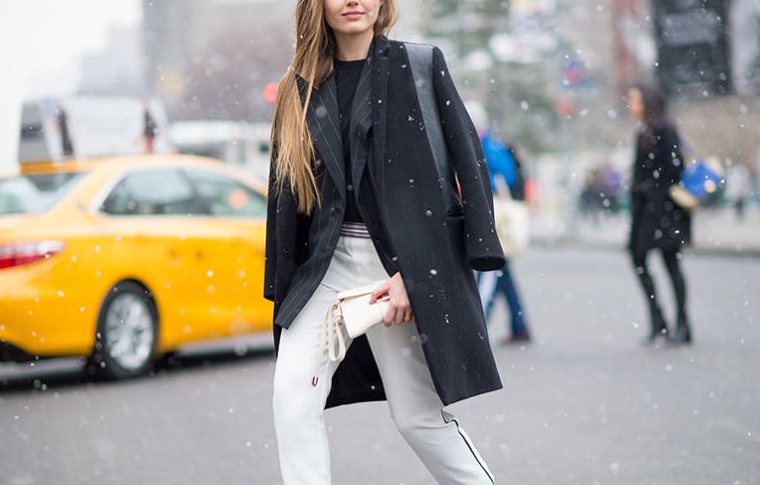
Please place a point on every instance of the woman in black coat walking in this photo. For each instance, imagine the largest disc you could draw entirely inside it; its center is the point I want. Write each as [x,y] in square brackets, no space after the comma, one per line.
[355,196]
[657,222]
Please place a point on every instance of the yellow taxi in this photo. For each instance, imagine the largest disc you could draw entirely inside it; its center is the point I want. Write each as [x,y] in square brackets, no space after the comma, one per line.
[122,260]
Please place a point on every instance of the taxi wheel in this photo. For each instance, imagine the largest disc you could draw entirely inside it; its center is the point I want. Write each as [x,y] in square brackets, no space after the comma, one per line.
[125,342]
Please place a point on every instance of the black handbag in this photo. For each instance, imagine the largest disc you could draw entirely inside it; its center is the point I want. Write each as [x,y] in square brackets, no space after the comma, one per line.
[421,60]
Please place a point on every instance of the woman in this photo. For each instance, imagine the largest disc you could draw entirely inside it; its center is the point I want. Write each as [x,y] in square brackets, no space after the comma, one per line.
[657,222]
[355,197]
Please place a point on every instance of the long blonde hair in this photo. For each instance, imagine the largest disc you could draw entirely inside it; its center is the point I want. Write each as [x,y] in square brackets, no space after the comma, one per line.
[291,141]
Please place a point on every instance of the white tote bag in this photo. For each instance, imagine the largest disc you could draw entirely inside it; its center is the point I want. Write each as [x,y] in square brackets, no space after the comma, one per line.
[511,218]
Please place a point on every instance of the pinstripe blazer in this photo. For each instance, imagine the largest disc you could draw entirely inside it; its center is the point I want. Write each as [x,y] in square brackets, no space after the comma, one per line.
[398,187]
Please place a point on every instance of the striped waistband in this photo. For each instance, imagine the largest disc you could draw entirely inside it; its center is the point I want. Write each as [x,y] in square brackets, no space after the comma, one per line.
[354,229]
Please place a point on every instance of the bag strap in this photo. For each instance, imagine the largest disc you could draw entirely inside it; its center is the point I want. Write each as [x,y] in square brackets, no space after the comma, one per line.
[332,336]
[421,61]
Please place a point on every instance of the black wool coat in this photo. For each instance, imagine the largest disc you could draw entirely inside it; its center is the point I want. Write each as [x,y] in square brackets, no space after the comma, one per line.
[656,220]
[401,198]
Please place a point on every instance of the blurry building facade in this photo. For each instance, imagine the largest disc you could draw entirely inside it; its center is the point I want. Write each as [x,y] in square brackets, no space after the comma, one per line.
[211,58]
[619,43]
[708,61]
[118,68]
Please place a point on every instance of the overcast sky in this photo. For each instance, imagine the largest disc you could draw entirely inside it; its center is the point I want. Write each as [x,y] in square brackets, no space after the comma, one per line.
[40,44]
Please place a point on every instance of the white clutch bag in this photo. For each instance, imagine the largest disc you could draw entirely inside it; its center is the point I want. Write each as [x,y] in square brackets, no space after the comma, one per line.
[350,316]
[353,311]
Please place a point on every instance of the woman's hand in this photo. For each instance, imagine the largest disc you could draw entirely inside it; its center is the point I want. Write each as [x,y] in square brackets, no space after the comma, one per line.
[399,309]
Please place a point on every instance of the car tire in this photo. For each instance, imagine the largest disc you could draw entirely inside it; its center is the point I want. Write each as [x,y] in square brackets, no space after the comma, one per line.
[127,332]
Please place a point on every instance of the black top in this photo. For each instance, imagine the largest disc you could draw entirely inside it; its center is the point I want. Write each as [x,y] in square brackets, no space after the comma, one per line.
[346,79]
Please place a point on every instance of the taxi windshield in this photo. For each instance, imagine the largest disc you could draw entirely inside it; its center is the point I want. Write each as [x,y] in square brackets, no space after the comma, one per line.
[35,193]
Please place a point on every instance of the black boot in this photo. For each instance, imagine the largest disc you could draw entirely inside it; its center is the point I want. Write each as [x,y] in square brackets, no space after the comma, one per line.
[682,335]
[658,329]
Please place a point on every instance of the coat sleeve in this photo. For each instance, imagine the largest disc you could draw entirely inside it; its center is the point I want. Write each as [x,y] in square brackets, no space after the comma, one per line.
[270,253]
[484,251]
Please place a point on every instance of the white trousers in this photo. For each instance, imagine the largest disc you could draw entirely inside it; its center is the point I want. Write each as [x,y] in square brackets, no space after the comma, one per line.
[433,433]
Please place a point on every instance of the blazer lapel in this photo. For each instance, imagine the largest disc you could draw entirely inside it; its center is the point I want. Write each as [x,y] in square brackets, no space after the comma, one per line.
[368,109]
[322,117]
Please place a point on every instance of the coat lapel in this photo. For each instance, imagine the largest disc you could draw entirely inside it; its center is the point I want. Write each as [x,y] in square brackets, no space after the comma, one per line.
[367,112]
[322,117]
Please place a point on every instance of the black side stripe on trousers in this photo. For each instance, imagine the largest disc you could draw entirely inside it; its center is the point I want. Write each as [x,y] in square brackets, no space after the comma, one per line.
[448,418]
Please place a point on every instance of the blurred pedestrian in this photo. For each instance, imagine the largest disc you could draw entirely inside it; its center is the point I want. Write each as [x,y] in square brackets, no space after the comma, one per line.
[738,188]
[658,223]
[601,192]
[493,284]
[150,128]
[505,175]
[355,198]
[64,130]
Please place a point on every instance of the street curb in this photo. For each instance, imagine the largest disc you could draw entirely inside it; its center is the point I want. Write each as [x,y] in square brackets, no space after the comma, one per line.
[586,245]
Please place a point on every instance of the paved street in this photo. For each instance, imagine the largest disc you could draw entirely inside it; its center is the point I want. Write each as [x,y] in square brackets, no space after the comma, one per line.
[715,230]
[584,404]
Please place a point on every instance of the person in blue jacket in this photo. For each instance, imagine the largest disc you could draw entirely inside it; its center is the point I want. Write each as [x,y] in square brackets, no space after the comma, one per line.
[501,164]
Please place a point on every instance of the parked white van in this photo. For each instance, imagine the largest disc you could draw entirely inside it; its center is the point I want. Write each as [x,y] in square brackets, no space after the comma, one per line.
[91,127]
